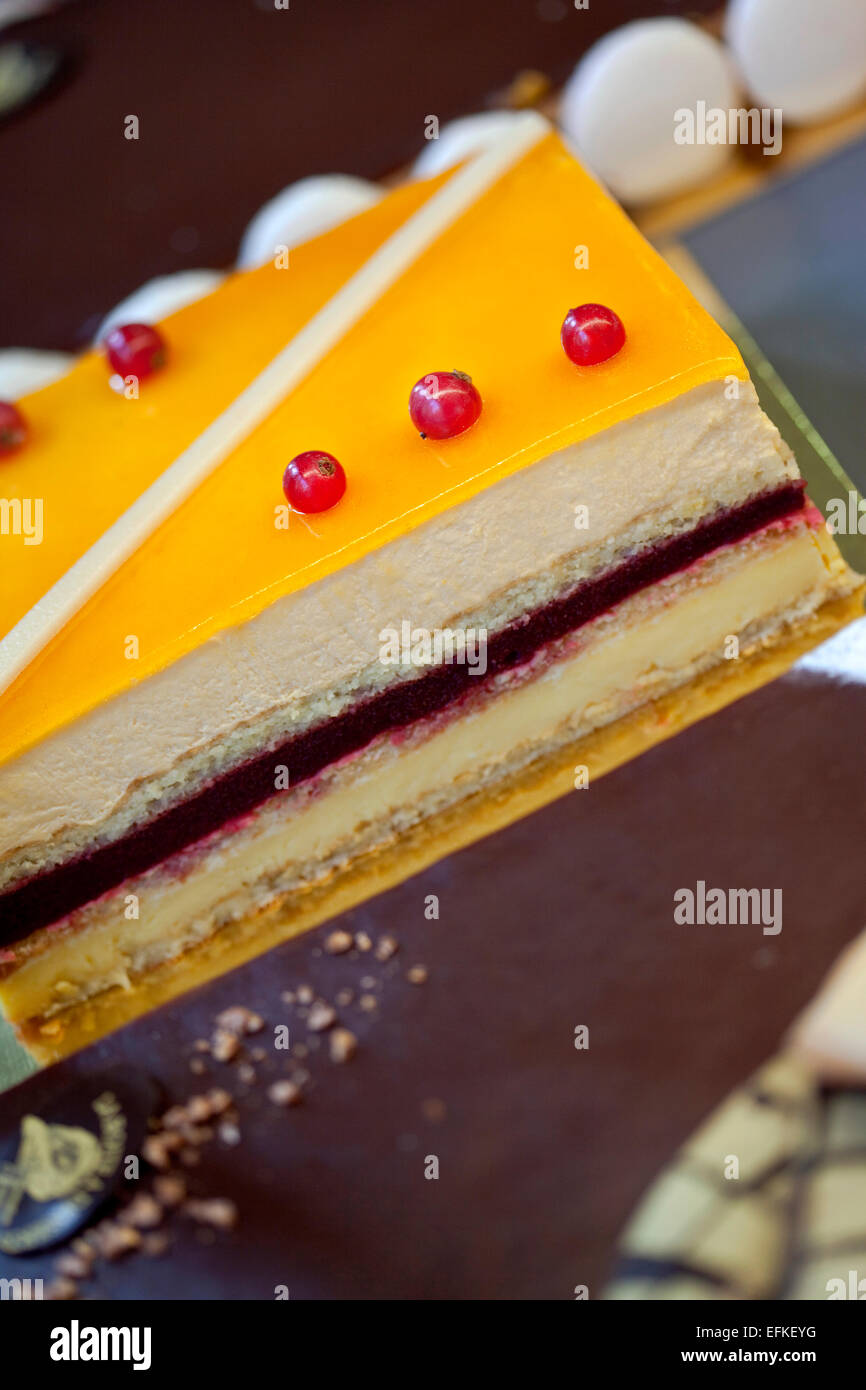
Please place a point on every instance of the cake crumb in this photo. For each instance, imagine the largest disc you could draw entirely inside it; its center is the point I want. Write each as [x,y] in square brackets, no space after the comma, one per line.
[338,942]
[285,1093]
[321,1017]
[174,1118]
[219,1100]
[344,998]
[363,941]
[158,1148]
[386,947]
[116,1239]
[229,1133]
[170,1189]
[305,994]
[197,1066]
[368,1003]
[143,1212]
[239,1020]
[198,1109]
[219,1212]
[72,1266]
[417,974]
[225,1045]
[343,1045]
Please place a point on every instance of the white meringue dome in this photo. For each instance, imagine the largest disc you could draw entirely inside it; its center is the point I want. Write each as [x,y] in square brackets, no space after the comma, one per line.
[618,107]
[23,370]
[807,58]
[461,138]
[160,297]
[302,211]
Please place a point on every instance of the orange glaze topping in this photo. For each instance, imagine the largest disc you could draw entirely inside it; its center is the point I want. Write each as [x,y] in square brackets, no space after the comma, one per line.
[488,298]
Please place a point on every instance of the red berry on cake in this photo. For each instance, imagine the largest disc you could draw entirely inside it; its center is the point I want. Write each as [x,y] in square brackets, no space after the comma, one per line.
[135,349]
[314,481]
[13,429]
[591,334]
[443,404]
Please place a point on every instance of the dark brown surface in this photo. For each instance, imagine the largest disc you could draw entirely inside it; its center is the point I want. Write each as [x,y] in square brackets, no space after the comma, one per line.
[563,919]
[56,892]
[235,100]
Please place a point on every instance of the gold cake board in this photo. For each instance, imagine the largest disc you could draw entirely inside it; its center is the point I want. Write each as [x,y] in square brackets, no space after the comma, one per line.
[474,817]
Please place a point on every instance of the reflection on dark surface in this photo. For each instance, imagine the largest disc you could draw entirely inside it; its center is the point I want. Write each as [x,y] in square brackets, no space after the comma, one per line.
[792,265]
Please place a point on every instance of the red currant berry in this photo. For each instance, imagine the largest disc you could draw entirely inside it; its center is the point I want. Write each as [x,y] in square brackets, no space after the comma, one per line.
[13,428]
[591,333]
[135,349]
[314,481]
[443,404]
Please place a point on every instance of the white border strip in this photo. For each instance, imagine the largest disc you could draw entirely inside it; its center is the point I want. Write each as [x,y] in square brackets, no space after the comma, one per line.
[63,600]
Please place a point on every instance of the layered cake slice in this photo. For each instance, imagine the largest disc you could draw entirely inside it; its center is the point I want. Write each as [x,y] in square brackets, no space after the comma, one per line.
[264,624]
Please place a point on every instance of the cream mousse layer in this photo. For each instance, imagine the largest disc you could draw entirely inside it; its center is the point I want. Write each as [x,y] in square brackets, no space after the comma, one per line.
[655,642]
[507,551]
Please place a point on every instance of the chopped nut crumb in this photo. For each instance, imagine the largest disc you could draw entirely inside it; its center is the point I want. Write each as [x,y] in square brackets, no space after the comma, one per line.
[368,1003]
[305,994]
[285,1093]
[212,1211]
[338,942]
[197,1065]
[258,1054]
[386,947]
[368,982]
[288,996]
[344,998]
[363,941]
[190,1157]
[321,1016]
[343,1045]
[417,974]
[201,1045]
[247,1073]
